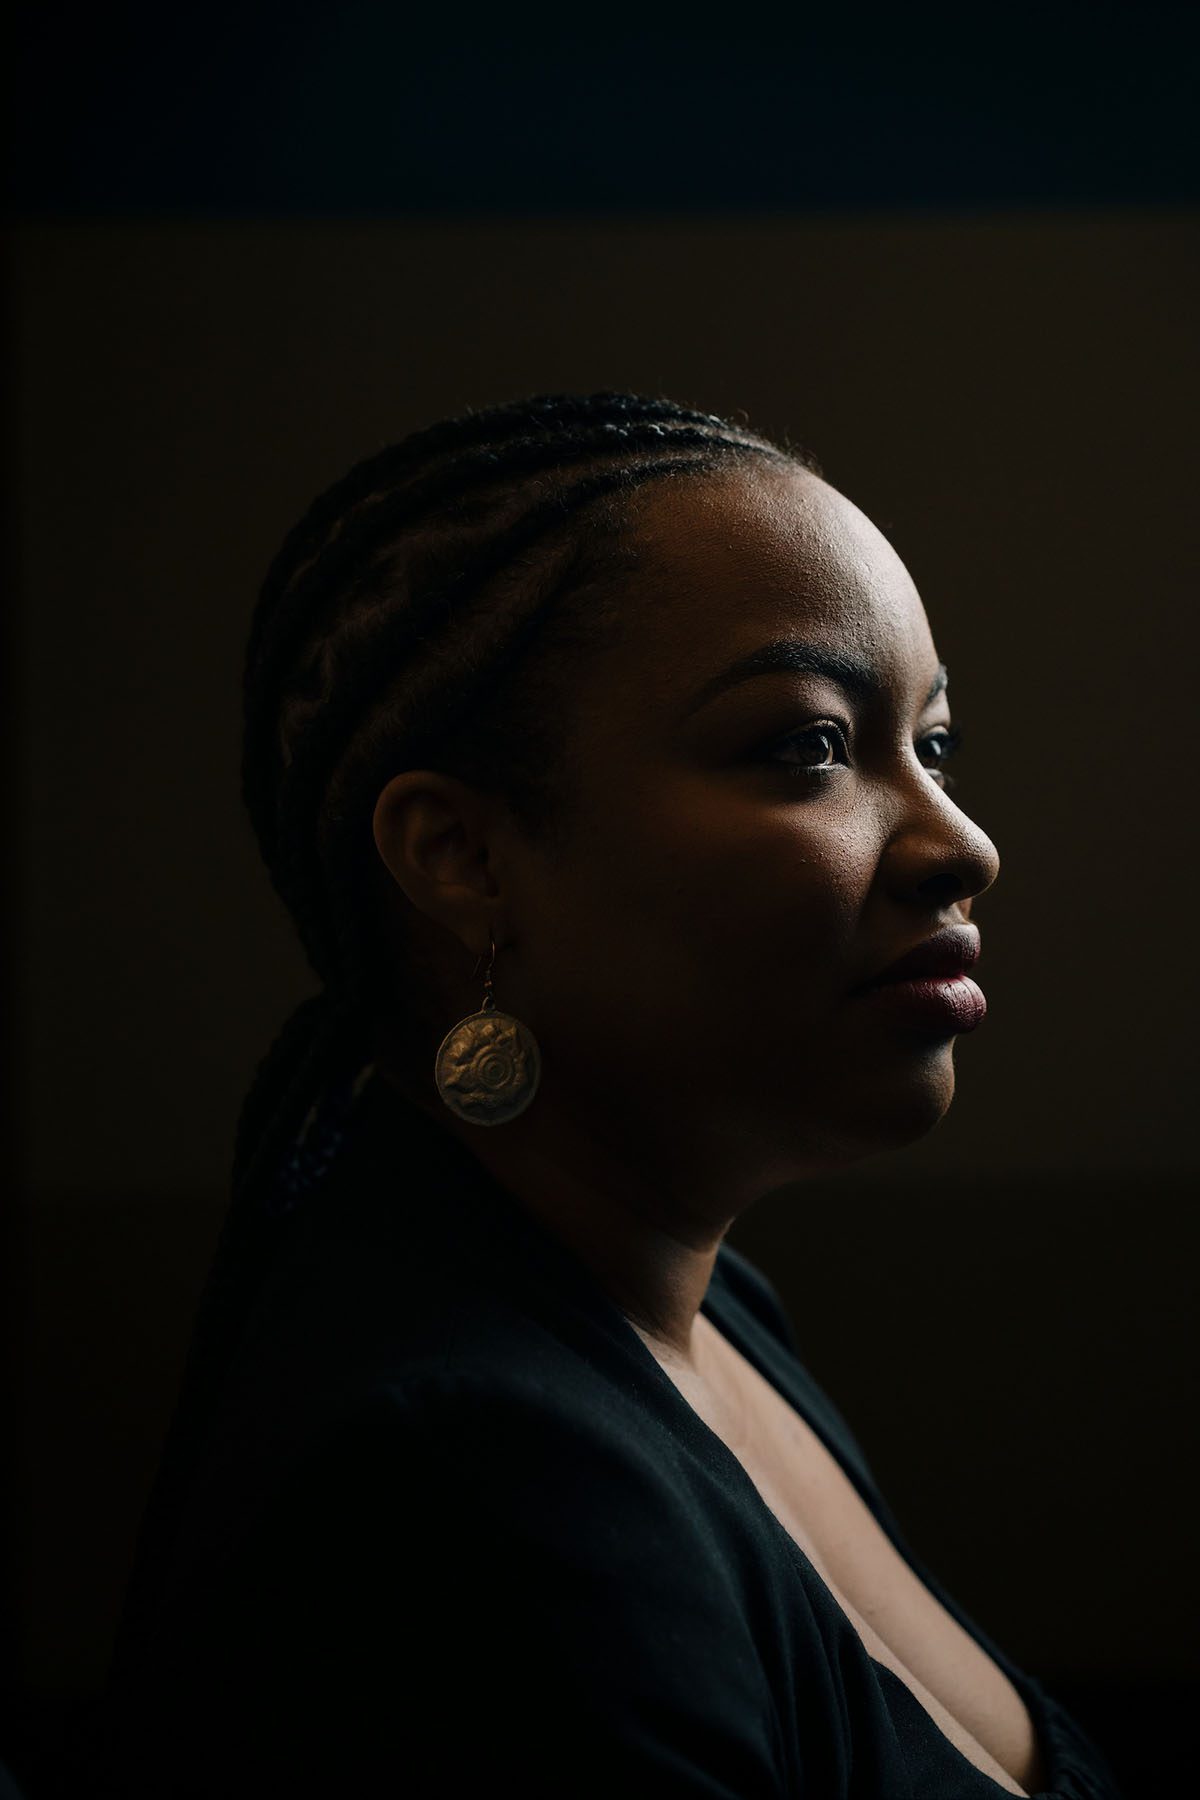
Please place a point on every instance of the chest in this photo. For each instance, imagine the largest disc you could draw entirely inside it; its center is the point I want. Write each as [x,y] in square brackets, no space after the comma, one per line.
[901,1624]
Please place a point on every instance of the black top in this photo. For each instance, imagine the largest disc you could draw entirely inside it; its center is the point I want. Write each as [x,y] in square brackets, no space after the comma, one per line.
[453,1529]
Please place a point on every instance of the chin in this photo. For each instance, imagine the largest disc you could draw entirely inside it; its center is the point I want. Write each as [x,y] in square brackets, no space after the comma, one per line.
[907,1104]
[880,1111]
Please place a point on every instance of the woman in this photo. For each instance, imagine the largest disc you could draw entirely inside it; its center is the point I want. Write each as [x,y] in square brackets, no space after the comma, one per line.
[597,749]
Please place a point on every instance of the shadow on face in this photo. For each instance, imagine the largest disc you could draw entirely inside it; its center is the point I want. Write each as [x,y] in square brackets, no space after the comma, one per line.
[762,822]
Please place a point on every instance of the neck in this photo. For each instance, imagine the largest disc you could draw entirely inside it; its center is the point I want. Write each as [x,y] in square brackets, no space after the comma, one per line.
[649,1242]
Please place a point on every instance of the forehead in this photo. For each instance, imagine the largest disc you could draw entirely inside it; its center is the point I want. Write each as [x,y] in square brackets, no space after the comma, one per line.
[728,562]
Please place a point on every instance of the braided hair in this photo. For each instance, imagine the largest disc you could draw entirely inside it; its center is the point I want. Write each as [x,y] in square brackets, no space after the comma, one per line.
[410,619]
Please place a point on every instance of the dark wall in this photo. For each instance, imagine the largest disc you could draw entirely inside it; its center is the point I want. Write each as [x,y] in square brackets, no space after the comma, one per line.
[255,108]
[1003,1310]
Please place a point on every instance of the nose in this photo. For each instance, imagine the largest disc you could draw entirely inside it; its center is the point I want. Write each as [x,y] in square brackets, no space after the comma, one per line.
[938,855]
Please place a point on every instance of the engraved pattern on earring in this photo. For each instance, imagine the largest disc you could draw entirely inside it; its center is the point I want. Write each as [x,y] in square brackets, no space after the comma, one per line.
[488,1065]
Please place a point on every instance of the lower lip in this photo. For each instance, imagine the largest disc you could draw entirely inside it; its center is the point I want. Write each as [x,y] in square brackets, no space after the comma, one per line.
[945,1002]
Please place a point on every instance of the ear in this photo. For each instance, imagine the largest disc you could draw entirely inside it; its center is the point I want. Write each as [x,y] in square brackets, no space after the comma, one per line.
[435,834]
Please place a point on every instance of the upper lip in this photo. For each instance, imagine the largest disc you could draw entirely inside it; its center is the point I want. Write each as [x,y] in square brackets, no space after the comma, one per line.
[948,952]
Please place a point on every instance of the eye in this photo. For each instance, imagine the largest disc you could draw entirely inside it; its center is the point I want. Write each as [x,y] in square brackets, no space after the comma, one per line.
[827,738]
[945,741]
[820,737]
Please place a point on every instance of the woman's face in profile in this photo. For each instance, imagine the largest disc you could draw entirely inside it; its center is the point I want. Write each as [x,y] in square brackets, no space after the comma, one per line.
[744,854]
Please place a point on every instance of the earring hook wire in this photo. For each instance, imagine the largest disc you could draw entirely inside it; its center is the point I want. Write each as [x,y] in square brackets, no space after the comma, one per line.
[489,999]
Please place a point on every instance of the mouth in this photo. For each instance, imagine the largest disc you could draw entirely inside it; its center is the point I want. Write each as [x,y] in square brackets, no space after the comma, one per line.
[947,955]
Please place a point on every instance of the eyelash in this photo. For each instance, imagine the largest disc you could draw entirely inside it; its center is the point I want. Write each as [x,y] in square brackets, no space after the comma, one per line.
[948,738]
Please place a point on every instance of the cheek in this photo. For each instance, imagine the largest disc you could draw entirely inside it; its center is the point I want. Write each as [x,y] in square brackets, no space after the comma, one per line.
[712,889]
[698,949]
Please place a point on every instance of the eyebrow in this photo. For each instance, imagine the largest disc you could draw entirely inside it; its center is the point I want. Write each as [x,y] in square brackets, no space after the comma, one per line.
[794,656]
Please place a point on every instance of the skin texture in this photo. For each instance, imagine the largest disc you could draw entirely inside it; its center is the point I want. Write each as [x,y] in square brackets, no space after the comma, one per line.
[686,962]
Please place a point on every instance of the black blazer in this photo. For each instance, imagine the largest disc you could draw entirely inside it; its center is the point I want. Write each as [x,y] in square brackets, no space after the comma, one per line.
[452,1530]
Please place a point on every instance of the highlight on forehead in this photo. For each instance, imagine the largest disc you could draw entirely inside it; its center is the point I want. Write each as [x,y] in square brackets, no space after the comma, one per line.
[795,656]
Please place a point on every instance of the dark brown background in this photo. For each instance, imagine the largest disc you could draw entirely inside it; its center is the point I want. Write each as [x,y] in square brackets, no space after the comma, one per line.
[1005,1311]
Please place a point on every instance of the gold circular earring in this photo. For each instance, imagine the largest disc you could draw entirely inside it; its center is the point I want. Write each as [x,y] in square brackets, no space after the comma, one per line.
[488,1066]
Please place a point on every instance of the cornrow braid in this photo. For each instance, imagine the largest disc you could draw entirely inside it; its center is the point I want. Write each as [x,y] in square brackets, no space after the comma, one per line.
[493,425]
[400,625]
[378,515]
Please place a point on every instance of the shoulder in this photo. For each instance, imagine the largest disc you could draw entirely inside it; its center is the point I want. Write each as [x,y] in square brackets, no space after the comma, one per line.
[470,1580]
[516,1482]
